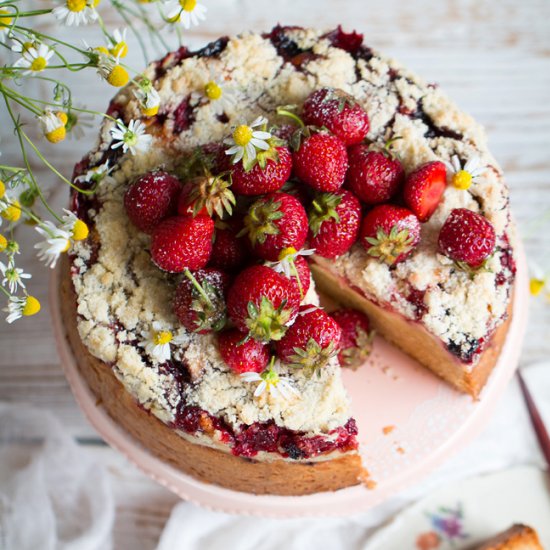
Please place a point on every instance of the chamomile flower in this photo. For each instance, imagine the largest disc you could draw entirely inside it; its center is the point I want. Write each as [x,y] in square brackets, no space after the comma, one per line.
[131,138]
[464,175]
[187,12]
[117,44]
[20,47]
[53,126]
[269,381]
[287,257]
[34,59]
[109,68]
[3,243]
[18,307]
[245,141]
[77,229]
[221,94]
[13,276]
[56,241]
[77,12]
[95,174]
[10,208]
[157,342]
[6,20]
[148,98]
[538,280]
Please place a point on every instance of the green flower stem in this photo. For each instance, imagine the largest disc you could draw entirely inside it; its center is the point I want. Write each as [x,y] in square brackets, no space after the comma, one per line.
[21,100]
[43,36]
[5,291]
[285,112]
[26,160]
[197,286]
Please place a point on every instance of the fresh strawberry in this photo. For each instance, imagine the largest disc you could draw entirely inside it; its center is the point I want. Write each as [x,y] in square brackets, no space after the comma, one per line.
[275,222]
[355,344]
[339,112]
[295,268]
[264,177]
[228,250]
[182,242]
[262,303]
[206,195]
[199,302]
[321,161]
[390,233]
[374,176]
[311,340]
[467,237]
[242,355]
[152,198]
[334,220]
[424,188]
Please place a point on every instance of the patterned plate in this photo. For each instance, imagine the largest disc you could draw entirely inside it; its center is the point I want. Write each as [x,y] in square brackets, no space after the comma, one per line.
[469,512]
[409,422]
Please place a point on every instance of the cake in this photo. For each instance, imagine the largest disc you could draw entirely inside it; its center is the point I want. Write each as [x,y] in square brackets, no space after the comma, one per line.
[216,355]
[517,537]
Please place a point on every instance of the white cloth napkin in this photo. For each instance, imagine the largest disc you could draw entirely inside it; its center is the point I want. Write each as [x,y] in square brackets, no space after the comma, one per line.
[506,441]
[53,496]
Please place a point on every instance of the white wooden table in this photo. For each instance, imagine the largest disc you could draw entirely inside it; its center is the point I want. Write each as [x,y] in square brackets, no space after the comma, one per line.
[492,57]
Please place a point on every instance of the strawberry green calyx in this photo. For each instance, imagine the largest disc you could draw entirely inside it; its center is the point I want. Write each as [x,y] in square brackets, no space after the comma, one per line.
[266,323]
[472,271]
[388,247]
[323,208]
[213,193]
[313,358]
[260,221]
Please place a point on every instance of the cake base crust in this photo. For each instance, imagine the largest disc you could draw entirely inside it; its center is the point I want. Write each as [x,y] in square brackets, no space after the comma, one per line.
[277,477]
[413,339]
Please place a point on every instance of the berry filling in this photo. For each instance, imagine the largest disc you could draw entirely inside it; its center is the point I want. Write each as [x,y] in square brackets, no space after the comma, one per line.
[267,436]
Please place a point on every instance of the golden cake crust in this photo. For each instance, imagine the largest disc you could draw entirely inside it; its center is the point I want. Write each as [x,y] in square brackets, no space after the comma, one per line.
[277,477]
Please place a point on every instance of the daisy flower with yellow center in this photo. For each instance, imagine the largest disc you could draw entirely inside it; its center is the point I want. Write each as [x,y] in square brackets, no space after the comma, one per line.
[221,94]
[117,44]
[20,47]
[10,208]
[34,59]
[77,229]
[462,176]
[538,281]
[56,241]
[148,98]
[18,307]
[95,174]
[77,12]
[131,138]
[53,125]
[246,141]
[269,381]
[186,12]
[13,276]
[157,342]
[109,68]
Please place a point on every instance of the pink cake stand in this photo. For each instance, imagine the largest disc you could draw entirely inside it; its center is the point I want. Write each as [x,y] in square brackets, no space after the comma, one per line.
[429,421]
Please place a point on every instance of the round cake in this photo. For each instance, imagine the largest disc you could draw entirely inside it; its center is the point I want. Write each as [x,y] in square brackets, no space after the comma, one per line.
[276,167]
